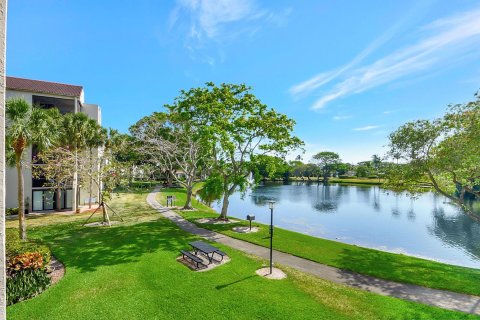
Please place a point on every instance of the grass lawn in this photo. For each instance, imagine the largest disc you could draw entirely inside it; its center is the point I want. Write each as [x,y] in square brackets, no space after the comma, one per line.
[129,271]
[377,263]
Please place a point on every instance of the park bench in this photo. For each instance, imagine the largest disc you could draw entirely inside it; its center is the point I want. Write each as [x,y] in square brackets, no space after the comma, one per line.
[221,253]
[207,249]
[192,257]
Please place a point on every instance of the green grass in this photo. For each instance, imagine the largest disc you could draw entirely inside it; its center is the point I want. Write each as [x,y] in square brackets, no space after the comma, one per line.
[129,271]
[390,266]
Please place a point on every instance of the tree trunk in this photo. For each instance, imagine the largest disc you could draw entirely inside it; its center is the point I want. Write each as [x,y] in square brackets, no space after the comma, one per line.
[223,213]
[90,193]
[106,218]
[3,280]
[188,202]
[21,201]
[58,205]
[75,184]
[90,187]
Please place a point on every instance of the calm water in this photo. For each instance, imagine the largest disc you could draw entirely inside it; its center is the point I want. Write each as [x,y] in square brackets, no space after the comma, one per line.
[427,227]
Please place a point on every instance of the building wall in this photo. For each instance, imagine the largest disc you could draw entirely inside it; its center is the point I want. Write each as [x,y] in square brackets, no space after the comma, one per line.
[92,110]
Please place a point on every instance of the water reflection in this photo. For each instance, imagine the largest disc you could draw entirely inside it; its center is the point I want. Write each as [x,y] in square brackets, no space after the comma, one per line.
[427,226]
[457,231]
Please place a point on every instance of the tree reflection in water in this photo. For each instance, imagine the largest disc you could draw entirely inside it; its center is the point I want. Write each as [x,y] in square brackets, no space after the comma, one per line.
[458,230]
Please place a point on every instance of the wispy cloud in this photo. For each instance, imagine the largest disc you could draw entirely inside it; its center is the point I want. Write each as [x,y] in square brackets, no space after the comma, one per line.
[206,24]
[208,17]
[442,40]
[386,112]
[338,118]
[366,128]
[325,77]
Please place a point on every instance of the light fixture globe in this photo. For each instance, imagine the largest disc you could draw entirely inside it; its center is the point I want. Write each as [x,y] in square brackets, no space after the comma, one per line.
[271,203]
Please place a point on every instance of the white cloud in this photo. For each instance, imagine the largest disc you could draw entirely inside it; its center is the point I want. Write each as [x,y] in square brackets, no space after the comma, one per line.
[389,111]
[206,25]
[446,40]
[366,128]
[338,118]
[325,77]
[209,17]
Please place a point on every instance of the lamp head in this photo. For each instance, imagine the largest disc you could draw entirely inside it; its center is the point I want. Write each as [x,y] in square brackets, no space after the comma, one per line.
[271,204]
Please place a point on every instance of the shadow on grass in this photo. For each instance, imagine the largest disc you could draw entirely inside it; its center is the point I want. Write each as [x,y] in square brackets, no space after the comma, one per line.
[223,286]
[87,248]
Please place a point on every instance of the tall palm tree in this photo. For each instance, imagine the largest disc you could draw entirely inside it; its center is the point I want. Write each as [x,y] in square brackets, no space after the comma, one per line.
[27,125]
[75,132]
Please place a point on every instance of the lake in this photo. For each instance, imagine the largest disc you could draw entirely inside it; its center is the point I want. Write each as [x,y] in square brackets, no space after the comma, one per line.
[369,216]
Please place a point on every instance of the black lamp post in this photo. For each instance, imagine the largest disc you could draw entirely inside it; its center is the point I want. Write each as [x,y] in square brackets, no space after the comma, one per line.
[270,205]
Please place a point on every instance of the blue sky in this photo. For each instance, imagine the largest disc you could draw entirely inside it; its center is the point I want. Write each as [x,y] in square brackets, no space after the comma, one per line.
[349,72]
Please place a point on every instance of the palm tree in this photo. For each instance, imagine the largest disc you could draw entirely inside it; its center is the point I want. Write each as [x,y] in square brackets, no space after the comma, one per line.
[27,125]
[75,131]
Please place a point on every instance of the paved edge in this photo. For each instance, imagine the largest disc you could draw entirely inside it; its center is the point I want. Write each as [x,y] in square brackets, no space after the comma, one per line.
[434,297]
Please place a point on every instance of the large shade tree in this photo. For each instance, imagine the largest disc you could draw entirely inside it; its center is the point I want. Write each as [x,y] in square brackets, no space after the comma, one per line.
[444,152]
[326,162]
[235,126]
[27,125]
[167,141]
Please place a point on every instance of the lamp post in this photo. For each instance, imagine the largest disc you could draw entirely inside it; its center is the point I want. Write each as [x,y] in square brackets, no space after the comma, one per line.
[270,205]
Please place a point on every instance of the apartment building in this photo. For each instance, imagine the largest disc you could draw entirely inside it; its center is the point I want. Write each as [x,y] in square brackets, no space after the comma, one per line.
[44,94]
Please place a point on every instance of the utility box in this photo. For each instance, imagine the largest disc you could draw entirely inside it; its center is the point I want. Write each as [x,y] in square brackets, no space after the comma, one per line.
[250,217]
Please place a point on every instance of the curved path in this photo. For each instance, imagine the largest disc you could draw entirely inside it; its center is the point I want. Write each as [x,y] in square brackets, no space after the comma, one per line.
[439,298]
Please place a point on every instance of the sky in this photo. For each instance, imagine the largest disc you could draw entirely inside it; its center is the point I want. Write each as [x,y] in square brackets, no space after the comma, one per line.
[348,72]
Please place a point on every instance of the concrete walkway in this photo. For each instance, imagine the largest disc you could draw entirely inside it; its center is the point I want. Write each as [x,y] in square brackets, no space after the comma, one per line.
[438,298]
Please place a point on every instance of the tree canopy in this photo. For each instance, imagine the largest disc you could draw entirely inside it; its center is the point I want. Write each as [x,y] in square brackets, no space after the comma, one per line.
[443,151]
[236,127]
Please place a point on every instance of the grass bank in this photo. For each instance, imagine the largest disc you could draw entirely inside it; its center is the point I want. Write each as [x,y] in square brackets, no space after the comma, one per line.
[390,266]
[128,271]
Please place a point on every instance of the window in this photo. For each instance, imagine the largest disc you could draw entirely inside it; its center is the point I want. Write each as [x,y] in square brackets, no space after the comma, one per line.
[47,200]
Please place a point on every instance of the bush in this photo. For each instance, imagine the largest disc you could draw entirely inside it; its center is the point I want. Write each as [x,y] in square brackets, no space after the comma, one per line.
[11,211]
[372,177]
[26,267]
[342,176]
[25,261]
[26,284]
[16,247]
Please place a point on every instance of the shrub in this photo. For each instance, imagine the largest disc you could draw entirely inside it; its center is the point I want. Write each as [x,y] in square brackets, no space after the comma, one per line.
[11,211]
[16,247]
[26,284]
[25,261]
[342,176]
[372,177]
[26,267]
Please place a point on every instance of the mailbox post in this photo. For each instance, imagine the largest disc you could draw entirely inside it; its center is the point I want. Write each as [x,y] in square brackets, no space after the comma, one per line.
[270,205]
[250,218]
